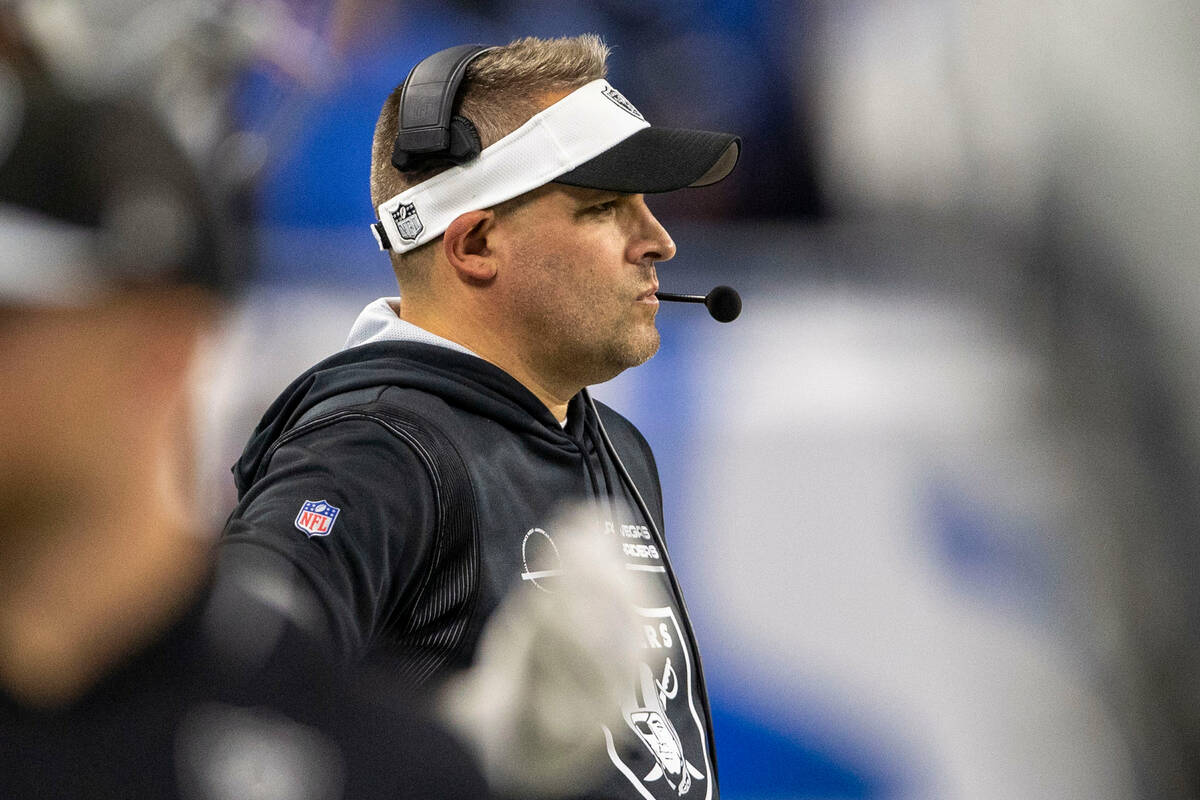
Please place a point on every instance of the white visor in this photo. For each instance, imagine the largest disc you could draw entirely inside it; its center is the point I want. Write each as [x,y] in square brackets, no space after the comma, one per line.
[576,129]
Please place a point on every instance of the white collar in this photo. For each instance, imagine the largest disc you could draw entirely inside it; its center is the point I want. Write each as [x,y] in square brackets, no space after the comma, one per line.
[378,322]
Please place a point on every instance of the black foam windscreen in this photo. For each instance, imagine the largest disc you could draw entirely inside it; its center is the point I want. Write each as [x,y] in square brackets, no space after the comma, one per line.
[724,304]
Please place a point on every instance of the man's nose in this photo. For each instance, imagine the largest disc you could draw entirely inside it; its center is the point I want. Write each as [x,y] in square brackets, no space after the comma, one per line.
[652,242]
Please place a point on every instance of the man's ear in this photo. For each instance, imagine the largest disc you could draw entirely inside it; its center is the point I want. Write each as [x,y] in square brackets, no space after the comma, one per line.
[465,245]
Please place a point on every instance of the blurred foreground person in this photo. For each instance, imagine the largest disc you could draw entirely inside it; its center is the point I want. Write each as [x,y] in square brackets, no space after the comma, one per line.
[124,671]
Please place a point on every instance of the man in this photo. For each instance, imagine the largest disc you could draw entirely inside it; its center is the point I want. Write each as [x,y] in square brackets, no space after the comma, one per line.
[124,671]
[414,477]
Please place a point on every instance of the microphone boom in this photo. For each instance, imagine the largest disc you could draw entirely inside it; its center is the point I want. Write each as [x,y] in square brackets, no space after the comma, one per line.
[724,304]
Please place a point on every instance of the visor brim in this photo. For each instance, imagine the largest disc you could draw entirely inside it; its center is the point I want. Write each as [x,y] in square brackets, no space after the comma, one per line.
[657,160]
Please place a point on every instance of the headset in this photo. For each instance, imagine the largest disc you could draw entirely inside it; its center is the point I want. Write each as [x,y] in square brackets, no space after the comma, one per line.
[430,134]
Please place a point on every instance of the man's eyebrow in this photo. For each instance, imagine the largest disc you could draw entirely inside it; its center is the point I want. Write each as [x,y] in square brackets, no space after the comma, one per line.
[601,196]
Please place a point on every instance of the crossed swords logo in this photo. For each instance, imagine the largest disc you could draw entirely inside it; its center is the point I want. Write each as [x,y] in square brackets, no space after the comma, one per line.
[652,725]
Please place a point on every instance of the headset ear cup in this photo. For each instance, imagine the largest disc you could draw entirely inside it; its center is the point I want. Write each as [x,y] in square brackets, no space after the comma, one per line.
[429,134]
[402,159]
[465,144]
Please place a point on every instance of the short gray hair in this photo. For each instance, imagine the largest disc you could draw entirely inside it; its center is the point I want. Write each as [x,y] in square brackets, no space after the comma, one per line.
[502,89]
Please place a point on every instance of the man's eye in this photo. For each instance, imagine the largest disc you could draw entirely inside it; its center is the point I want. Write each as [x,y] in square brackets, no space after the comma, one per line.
[601,208]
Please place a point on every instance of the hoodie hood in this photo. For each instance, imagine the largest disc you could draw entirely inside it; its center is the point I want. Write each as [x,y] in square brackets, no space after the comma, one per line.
[459,378]
[379,322]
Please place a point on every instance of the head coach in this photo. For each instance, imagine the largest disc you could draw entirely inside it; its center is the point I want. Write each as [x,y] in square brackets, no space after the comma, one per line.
[415,476]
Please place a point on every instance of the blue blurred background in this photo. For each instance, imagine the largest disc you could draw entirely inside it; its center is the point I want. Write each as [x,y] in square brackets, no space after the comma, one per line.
[933,498]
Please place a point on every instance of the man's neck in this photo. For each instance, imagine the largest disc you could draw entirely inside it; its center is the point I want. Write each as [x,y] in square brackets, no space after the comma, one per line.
[490,348]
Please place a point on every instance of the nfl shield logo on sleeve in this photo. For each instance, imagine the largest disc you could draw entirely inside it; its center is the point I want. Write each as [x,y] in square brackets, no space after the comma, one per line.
[316,517]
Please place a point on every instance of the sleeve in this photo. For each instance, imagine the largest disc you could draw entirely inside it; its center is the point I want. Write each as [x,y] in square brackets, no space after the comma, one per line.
[351,509]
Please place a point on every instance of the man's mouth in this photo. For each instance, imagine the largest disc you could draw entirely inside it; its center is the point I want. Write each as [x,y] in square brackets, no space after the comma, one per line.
[648,296]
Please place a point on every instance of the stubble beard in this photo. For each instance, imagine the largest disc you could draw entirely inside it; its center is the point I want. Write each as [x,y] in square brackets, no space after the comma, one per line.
[589,354]
[585,350]
[634,349]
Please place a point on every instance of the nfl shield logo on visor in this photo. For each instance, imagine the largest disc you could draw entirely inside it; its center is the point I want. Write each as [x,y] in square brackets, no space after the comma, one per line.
[316,517]
[407,222]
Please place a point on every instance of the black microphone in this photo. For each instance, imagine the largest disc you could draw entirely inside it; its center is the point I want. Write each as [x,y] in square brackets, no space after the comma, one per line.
[723,303]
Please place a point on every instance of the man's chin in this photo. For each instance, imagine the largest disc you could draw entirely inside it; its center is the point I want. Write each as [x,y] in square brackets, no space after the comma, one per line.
[649,351]
[640,350]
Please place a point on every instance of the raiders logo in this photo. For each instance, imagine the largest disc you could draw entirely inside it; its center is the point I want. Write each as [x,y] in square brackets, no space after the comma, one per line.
[622,103]
[407,222]
[661,720]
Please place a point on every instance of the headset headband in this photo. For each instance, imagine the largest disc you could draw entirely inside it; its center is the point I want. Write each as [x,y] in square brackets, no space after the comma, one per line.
[428,129]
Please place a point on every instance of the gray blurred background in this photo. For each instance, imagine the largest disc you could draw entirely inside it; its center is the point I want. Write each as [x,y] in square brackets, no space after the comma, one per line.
[934,497]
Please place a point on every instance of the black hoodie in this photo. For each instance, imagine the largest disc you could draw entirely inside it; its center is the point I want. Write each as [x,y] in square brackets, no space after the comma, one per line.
[415,486]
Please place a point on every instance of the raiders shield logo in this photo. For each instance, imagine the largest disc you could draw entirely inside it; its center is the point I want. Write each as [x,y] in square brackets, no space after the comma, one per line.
[622,103]
[663,727]
[407,222]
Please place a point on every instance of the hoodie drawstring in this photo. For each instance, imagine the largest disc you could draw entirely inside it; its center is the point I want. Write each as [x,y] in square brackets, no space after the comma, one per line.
[591,429]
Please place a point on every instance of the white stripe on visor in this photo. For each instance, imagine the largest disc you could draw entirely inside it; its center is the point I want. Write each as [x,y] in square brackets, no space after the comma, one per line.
[45,261]
[576,129]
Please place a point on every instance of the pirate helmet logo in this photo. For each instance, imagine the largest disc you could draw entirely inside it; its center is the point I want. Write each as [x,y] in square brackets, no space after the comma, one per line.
[651,724]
